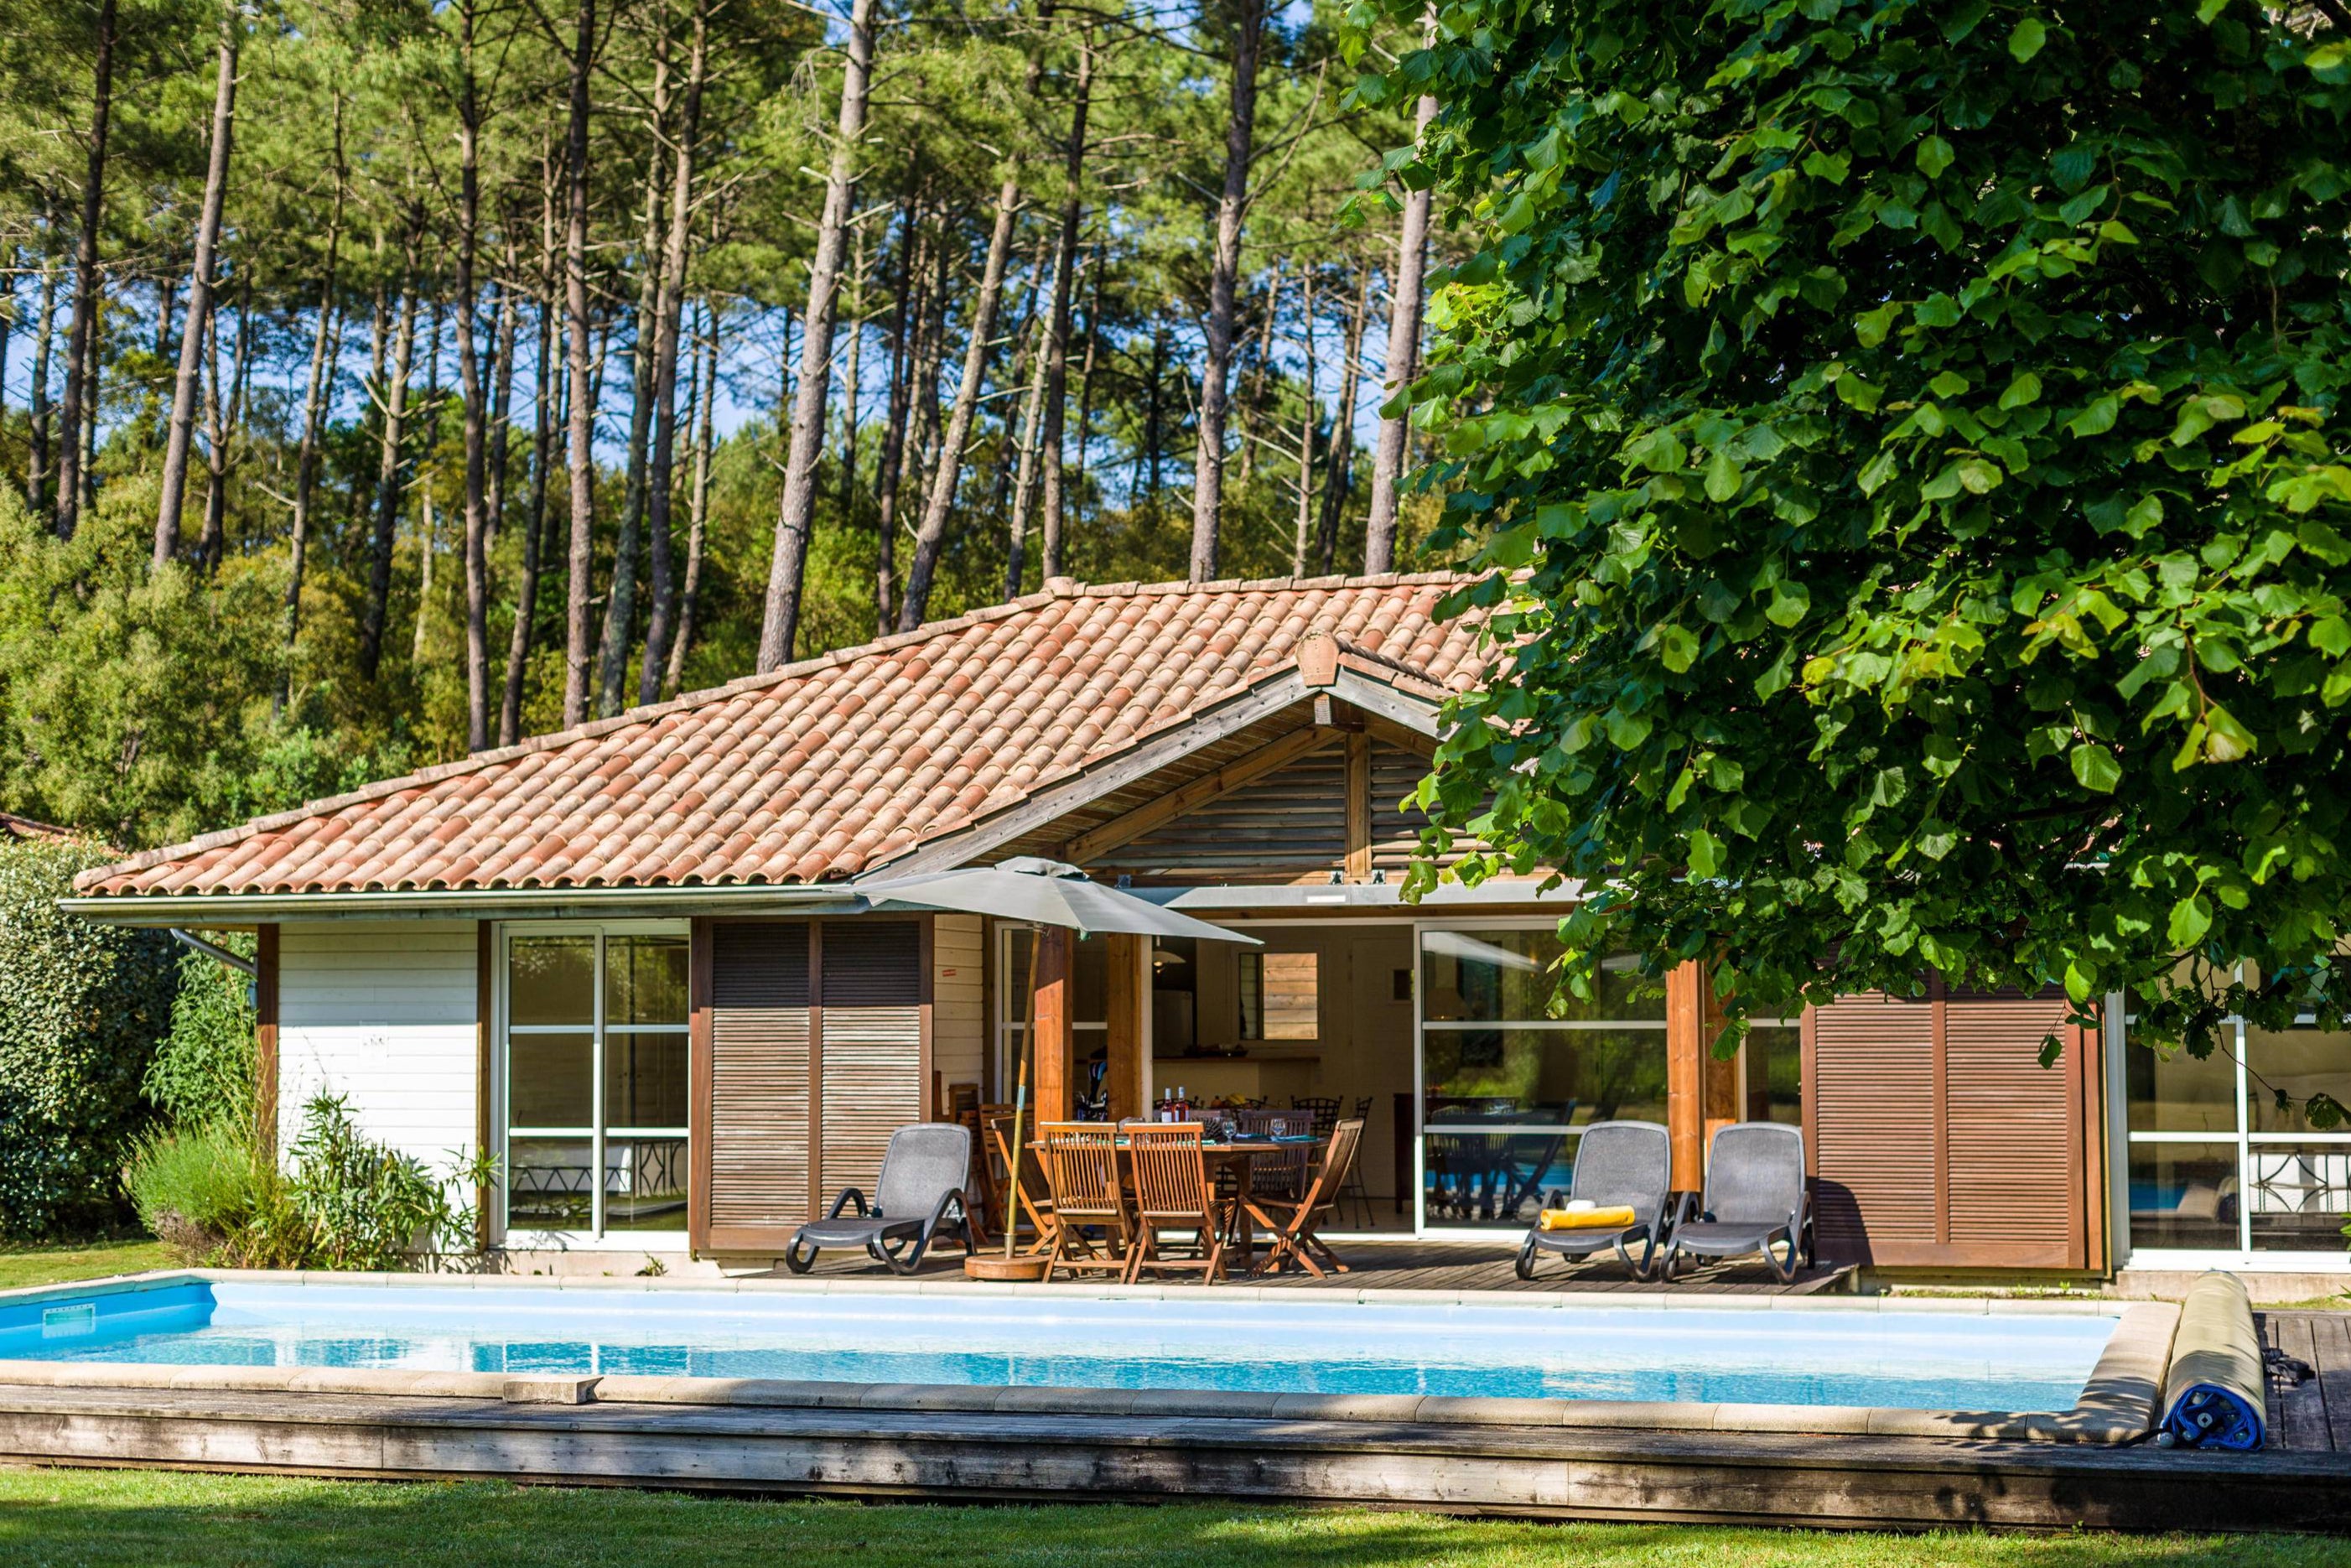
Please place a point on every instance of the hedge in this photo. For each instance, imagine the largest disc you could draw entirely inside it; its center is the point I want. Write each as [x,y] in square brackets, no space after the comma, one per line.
[81,1008]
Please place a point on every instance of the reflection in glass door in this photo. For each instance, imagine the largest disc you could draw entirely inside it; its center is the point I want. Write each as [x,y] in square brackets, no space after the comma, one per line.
[1506,1082]
[2217,1165]
[596,1053]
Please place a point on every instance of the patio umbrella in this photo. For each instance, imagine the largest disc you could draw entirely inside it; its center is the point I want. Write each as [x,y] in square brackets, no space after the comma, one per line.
[1036,892]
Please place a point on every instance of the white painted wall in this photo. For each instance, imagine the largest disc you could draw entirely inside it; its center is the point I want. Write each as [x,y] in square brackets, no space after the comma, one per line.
[382,1013]
[958,999]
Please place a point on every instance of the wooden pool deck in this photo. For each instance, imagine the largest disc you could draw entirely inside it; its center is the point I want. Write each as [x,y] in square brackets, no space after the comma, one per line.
[1407,1264]
[2312,1417]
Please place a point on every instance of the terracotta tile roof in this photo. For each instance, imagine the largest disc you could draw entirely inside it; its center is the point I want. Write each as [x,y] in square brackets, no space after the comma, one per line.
[829,767]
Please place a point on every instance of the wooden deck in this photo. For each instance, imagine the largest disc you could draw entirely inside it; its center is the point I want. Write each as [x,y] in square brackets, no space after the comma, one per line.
[1414,1265]
[2312,1417]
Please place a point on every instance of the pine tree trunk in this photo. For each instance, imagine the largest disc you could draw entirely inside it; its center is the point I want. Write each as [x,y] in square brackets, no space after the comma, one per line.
[1057,342]
[1216,369]
[930,351]
[1304,532]
[1086,379]
[36,467]
[317,397]
[697,508]
[621,603]
[905,327]
[475,413]
[852,383]
[200,296]
[542,452]
[394,392]
[796,512]
[580,458]
[1404,360]
[662,607]
[1340,480]
[930,538]
[1252,411]
[502,365]
[77,417]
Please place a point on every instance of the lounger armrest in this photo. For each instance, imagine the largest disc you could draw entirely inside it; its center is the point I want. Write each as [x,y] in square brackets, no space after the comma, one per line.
[848,1195]
[952,1196]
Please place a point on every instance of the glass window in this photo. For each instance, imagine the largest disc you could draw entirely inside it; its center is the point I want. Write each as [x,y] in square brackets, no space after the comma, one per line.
[1279,999]
[1775,1072]
[2184,1194]
[2182,1094]
[1542,1077]
[1493,1178]
[589,1015]
[1512,975]
[551,979]
[2300,1197]
[2297,1063]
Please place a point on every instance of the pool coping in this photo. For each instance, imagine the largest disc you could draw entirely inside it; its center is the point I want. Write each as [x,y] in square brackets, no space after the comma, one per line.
[2118,1403]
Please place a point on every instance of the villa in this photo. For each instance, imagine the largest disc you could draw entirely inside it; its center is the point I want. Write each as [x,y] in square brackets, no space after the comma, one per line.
[632,959]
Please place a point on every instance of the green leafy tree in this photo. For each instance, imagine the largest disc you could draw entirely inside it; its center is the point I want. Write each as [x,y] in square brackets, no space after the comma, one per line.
[1907,444]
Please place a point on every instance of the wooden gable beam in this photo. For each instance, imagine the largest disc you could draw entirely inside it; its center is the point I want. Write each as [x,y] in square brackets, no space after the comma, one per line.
[1128,826]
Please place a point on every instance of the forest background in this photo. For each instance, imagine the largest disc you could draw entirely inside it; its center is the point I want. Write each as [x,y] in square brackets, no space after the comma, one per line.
[385,379]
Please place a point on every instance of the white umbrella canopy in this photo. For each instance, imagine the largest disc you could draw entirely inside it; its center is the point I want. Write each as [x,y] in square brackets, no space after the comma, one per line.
[1043,892]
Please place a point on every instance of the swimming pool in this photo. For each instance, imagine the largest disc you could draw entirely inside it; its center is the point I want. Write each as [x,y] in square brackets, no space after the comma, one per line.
[1825,1356]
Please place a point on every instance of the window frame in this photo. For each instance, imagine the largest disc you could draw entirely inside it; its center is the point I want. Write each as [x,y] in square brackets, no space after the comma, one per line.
[598,1135]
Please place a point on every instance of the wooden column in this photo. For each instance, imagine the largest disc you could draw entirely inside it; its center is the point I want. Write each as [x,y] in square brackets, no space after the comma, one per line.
[1685,1064]
[265,1038]
[1359,806]
[1128,993]
[699,1059]
[486,990]
[1053,1043]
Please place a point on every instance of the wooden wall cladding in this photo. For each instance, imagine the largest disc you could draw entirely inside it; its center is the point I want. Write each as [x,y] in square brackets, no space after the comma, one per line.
[813,1039]
[1938,1141]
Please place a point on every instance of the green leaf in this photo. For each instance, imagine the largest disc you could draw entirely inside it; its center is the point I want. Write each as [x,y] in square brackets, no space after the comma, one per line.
[2025,390]
[1934,156]
[1722,476]
[2025,40]
[1705,854]
[1790,603]
[1871,326]
[2094,767]
[2190,918]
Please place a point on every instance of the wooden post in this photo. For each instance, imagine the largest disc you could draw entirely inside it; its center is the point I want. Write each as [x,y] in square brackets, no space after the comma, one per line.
[1128,994]
[1359,806]
[1718,1077]
[699,972]
[1053,1042]
[265,1039]
[1685,1092]
[485,983]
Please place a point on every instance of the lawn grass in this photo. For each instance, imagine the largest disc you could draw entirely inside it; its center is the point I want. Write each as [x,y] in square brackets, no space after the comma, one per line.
[55,1264]
[99,1519]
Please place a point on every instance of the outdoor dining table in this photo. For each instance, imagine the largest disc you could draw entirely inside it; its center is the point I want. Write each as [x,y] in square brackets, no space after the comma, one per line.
[1239,1156]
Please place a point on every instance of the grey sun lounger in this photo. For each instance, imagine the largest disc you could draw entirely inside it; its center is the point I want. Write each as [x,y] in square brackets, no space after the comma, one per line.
[1618,1164]
[918,1194]
[1755,1197]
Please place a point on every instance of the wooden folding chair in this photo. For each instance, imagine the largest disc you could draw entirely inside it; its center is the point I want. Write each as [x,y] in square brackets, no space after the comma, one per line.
[1035,1199]
[1296,1240]
[1081,1168]
[1173,1192]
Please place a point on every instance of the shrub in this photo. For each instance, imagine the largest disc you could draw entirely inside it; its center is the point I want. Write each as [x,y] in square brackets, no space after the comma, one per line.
[195,1186]
[203,1069]
[81,1007]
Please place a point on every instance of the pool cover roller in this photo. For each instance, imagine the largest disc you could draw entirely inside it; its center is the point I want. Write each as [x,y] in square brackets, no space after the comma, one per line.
[2213,1391]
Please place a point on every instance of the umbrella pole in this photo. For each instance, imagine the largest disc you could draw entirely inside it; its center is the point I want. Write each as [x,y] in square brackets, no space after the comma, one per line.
[1020,1099]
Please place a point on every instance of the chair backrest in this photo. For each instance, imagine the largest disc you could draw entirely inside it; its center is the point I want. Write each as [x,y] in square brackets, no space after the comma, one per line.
[1258,1121]
[1338,1159]
[1171,1175]
[1755,1172]
[1625,1164]
[1322,1108]
[1081,1167]
[922,1164]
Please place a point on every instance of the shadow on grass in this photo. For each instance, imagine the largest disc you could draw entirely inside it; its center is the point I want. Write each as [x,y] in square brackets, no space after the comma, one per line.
[101,1519]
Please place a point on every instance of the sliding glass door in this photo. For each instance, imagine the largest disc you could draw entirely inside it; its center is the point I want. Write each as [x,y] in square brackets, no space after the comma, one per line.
[595,1055]
[1506,1084]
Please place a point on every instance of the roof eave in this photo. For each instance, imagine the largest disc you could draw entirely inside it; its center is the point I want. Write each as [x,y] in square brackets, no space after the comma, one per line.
[460,903]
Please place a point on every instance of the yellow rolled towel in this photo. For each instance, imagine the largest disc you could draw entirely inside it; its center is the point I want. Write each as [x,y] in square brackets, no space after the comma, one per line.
[1587,1219]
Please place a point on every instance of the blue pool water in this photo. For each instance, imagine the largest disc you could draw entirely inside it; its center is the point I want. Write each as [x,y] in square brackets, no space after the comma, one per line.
[1921,1360]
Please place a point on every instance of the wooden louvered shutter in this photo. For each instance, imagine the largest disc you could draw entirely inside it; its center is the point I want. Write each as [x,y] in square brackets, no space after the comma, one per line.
[872,1043]
[754,1014]
[1869,1113]
[1938,1140]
